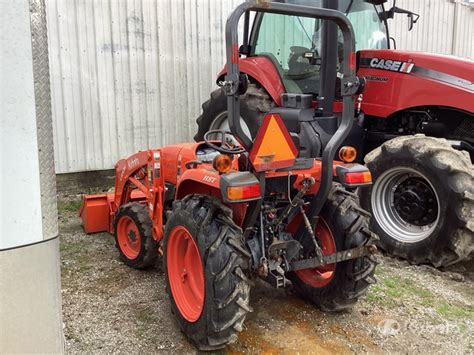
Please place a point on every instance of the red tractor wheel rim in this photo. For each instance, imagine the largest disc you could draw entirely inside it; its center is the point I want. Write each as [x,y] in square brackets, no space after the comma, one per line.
[320,276]
[185,273]
[129,237]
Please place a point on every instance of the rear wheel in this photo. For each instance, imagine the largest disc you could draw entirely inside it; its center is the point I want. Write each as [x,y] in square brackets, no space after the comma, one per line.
[206,264]
[341,226]
[253,106]
[133,236]
[422,201]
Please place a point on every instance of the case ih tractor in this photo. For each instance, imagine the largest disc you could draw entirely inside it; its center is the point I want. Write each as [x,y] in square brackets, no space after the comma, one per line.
[415,127]
[228,209]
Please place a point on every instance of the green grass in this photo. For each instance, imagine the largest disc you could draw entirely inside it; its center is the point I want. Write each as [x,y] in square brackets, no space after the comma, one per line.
[392,290]
[454,312]
[69,206]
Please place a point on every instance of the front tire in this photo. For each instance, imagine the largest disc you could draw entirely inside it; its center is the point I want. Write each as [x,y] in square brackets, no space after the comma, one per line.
[342,226]
[207,286]
[422,200]
[133,236]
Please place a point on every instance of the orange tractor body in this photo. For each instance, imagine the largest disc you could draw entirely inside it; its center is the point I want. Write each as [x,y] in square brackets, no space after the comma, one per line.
[229,209]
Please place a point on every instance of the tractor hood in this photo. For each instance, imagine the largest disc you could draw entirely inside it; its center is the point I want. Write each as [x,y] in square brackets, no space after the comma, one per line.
[400,80]
[447,69]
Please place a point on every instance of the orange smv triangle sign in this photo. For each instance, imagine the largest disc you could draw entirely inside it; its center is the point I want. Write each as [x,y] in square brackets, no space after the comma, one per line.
[273,147]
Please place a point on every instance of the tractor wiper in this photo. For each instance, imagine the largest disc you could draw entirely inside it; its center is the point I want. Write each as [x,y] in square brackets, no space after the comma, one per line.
[349,7]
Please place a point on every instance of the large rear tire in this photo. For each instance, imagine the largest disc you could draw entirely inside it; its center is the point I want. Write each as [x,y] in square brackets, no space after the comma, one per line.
[253,106]
[342,226]
[422,200]
[206,264]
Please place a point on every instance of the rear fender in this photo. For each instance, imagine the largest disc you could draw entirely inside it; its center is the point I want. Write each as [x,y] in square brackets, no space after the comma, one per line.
[262,70]
[206,182]
[198,181]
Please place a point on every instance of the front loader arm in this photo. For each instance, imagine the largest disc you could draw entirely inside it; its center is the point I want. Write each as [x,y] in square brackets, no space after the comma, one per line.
[142,174]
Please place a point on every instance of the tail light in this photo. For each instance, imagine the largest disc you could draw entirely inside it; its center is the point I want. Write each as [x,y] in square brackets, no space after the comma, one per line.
[243,193]
[241,186]
[358,178]
[353,175]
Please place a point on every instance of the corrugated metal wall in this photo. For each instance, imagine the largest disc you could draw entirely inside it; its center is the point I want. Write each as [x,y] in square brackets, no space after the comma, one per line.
[128,75]
[445,26]
[131,74]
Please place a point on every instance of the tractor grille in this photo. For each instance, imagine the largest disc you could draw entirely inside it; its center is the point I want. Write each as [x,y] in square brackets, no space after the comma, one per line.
[466,129]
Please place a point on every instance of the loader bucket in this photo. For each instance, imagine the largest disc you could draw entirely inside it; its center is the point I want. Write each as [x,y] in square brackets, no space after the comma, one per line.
[96,212]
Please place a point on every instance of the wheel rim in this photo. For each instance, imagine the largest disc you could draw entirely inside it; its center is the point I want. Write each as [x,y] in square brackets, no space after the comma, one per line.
[405,205]
[221,122]
[128,237]
[185,273]
[320,276]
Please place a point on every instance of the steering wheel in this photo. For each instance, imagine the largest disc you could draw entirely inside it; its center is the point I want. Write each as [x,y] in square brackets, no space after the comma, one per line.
[225,146]
[299,66]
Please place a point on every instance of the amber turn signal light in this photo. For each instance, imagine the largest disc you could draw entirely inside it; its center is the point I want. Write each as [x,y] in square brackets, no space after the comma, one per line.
[222,163]
[347,154]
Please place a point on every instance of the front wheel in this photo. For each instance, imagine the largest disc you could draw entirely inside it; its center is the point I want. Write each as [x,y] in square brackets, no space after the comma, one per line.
[422,200]
[342,225]
[206,264]
[133,236]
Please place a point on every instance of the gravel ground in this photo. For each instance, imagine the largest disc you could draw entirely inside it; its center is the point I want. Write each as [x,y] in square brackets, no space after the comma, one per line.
[108,307]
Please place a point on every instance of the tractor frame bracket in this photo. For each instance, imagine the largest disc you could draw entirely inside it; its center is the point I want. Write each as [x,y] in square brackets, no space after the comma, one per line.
[342,255]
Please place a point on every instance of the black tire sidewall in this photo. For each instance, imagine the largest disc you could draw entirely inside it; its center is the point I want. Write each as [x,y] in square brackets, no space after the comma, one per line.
[439,180]
[339,273]
[217,105]
[129,210]
[342,291]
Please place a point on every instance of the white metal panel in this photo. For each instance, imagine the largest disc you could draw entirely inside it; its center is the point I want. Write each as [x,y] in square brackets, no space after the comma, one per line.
[130,74]
[445,27]
[20,198]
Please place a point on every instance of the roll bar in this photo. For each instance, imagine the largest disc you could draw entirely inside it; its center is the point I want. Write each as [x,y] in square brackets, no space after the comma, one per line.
[349,87]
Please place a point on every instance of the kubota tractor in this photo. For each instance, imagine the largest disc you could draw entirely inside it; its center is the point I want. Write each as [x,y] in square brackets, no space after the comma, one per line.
[226,210]
[415,127]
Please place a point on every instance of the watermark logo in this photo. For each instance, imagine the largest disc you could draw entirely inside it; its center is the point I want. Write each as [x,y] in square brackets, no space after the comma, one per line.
[392,327]
[389,327]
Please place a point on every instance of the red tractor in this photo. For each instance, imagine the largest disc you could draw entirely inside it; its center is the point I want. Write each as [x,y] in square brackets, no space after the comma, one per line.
[228,209]
[414,128]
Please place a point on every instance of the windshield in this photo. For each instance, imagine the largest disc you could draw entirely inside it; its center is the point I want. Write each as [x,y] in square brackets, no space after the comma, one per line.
[294,43]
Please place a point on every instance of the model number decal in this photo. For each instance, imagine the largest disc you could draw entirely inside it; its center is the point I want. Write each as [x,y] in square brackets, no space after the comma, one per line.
[208,178]
[392,65]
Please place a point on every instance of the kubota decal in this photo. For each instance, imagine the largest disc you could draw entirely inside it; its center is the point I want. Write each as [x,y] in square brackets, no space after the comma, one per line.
[133,162]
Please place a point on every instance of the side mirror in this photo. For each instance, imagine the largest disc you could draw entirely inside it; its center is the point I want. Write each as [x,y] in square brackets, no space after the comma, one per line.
[411,20]
[412,17]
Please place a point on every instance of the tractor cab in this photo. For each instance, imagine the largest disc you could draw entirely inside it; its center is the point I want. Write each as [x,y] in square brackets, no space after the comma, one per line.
[296,45]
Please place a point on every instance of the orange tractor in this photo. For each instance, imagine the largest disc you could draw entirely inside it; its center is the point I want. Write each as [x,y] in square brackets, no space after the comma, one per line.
[226,210]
